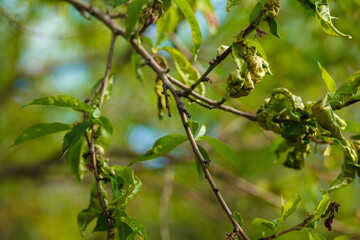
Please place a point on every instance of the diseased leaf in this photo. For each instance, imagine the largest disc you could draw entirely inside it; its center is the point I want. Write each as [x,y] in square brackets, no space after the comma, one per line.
[289,208]
[231,3]
[73,136]
[238,218]
[75,160]
[133,15]
[222,148]
[135,61]
[198,165]
[329,81]
[161,147]
[61,101]
[187,72]
[39,130]
[324,19]
[273,27]
[167,24]
[314,235]
[195,29]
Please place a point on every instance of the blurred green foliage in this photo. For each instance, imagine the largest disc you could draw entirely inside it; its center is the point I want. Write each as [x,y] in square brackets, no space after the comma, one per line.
[48,48]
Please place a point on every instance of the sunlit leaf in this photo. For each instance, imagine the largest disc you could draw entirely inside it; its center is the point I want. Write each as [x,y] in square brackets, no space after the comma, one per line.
[61,101]
[324,19]
[201,132]
[222,148]
[321,208]
[39,130]
[289,208]
[329,81]
[161,147]
[193,125]
[353,127]
[187,72]
[185,8]
[238,218]
[314,235]
[167,24]
[133,15]
[231,3]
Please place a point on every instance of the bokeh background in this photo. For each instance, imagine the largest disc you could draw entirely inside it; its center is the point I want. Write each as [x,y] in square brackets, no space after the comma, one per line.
[48,48]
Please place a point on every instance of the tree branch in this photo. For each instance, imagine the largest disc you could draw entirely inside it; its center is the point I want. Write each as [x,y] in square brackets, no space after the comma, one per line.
[180,105]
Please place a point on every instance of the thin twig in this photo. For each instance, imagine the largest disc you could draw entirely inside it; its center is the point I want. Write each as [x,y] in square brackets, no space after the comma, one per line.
[108,68]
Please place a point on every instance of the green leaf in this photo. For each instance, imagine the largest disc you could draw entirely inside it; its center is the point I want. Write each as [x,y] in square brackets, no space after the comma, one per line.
[329,81]
[289,208]
[121,219]
[61,101]
[39,130]
[161,147]
[74,135]
[353,98]
[195,29]
[187,72]
[231,3]
[308,6]
[96,113]
[255,43]
[75,160]
[118,2]
[197,162]
[86,216]
[125,186]
[167,24]
[255,12]
[222,148]
[348,89]
[343,237]
[314,235]
[273,27]
[265,227]
[133,15]
[201,131]
[108,90]
[238,218]
[101,224]
[135,60]
[321,209]
[352,127]
[193,125]
[324,19]
[105,123]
